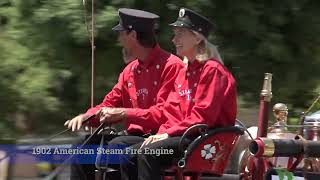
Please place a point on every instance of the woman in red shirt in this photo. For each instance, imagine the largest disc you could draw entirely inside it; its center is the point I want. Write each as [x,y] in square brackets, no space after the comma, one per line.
[204,92]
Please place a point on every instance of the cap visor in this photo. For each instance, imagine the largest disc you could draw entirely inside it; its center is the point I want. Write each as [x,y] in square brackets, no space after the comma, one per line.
[118,28]
[179,24]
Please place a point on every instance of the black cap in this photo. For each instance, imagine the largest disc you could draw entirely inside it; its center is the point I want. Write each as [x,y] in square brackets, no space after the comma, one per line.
[192,20]
[138,20]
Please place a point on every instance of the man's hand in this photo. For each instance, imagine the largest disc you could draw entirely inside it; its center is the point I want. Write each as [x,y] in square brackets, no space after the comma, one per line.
[75,123]
[111,115]
[155,138]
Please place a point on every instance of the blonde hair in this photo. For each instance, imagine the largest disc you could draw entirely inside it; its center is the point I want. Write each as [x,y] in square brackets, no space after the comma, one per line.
[206,50]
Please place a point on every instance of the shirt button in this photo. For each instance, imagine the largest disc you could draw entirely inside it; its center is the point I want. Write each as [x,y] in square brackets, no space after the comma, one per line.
[195,85]
[155,83]
[129,84]
[147,70]
[157,66]
[188,74]
[139,71]
[194,72]
[154,99]
[193,100]
[179,86]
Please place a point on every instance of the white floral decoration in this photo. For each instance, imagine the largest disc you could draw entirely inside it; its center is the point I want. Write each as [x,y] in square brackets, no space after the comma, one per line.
[208,151]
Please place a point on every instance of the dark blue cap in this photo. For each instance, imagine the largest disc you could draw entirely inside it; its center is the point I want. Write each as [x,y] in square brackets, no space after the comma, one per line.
[138,20]
[192,20]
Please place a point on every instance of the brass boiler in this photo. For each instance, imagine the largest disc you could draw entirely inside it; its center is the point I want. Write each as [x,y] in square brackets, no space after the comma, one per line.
[279,131]
[311,131]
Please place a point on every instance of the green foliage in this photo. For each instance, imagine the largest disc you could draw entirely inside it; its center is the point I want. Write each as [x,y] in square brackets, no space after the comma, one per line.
[46,57]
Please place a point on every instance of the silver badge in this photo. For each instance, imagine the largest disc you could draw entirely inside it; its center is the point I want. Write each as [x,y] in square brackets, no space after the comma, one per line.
[181,12]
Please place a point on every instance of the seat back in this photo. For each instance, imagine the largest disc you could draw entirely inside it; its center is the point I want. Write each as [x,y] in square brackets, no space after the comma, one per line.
[209,153]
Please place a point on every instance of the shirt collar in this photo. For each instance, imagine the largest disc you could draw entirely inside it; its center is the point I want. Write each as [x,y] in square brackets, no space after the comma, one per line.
[151,57]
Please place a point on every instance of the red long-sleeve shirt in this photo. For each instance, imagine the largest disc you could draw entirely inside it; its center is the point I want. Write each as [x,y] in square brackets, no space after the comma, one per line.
[143,87]
[203,93]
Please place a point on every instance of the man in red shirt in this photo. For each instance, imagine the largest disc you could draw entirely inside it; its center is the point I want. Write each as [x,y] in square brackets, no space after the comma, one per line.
[145,83]
[204,93]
